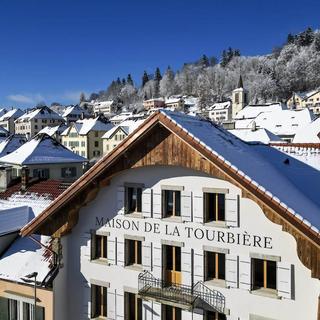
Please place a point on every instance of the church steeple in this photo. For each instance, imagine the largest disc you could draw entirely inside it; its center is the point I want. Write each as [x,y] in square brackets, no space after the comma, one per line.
[240,83]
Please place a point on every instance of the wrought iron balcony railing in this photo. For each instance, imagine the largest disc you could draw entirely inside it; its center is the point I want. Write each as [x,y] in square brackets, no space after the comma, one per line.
[196,296]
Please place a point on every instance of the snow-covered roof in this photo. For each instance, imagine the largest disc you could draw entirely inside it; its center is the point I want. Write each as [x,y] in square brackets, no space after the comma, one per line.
[252,111]
[221,106]
[308,133]
[258,135]
[12,220]
[39,113]
[279,122]
[154,99]
[173,100]
[121,117]
[41,149]
[126,126]
[16,113]
[84,126]
[306,154]
[74,110]
[306,94]
[292,184]
[11,144]
[51,131]
[23,257]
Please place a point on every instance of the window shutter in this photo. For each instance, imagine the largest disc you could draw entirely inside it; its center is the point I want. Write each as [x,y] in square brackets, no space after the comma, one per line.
[198,207]
[157,203]
[120,306]
[156,311]
[146,255]
[111,247]
[186,315]
[120,252]
[245,273]
[285,280]
[146,202]
[232,270]
[232,210]
[120,200]
[198,266]
[157,260]
[186,266]
[186,206]
[93,301]
[111,307]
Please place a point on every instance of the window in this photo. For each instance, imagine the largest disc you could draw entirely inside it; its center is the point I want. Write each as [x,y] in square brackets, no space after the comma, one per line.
[83,143]
[214,207]
[99,246]
[212,315]
[214,266]
[28,310]
[236,98]
[98,301]
[133,252]
[41,173]
[96,134]
[171,203]
[133,306]
[133,199]
[35,126]
[68,172]
[264,274]
[96,144]
[172,264]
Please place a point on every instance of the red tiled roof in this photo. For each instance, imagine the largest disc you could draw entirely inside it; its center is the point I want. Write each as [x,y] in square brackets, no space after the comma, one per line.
[49,187]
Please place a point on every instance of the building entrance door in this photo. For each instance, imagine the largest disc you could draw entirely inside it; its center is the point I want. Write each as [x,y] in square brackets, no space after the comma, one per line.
[172,264]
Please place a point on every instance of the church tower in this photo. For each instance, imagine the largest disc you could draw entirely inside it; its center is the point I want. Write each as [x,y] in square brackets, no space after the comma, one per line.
[239,98]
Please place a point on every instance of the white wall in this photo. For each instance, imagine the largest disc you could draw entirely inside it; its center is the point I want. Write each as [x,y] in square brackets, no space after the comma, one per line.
[79,271]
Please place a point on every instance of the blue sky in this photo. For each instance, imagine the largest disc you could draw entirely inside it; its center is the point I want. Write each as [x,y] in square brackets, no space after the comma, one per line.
[51,50]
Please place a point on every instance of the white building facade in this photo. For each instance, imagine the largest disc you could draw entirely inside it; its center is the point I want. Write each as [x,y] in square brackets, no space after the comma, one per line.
[161,242]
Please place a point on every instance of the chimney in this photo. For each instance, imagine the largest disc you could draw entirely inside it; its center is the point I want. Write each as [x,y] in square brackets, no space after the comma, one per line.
[82,115]
[24,178]
[254,126]
[5,177]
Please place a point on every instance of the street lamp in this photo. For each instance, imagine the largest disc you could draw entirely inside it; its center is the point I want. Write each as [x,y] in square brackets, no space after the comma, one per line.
[27,279]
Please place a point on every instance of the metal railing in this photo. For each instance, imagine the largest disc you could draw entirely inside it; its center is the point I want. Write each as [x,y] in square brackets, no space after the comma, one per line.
[198,295]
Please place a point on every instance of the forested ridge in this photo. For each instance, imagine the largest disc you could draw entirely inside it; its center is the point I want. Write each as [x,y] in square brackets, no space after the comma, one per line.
[293,67]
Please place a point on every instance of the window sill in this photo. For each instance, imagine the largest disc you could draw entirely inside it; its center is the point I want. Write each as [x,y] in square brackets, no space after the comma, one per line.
[134,215]
[217,224]
[264,292]
[135,267]
[173,219]
[99,318]
[100,261]
[216,283]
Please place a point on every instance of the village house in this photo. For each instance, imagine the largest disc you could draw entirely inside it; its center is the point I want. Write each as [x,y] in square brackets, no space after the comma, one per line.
[176,103]
[7,120]
[117,134]
[220,111]
[104,107]
[310,100]
[153,103]
[84,136]
[74,113]
[185,221]
[54,132]
[45,158]
[30,123]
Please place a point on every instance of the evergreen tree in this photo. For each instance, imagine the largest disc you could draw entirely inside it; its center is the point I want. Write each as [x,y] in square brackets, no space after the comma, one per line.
[224,59]
[123,81]
[157,75]
[129,79]
[204,61]
[118,81]
[290,38]
[145,78]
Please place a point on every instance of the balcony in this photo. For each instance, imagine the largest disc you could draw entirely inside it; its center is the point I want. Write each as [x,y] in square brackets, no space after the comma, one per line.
[187,297]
